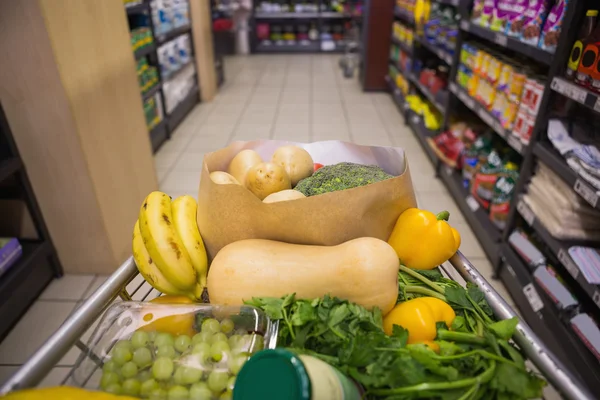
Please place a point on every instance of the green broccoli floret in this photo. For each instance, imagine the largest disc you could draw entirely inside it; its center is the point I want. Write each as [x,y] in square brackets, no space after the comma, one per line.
[341,176]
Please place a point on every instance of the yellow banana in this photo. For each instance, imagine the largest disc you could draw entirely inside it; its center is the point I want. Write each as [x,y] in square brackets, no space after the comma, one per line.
[147,267]
[184,218]
[163,243]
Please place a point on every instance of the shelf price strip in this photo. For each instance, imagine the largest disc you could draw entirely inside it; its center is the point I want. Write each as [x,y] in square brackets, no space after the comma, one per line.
[533,297]
[586,192]
[571,91]
[526,212]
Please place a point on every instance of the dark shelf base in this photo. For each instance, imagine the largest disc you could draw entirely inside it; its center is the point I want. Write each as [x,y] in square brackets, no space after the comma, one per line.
[182,109]
[312,47]
[158,135]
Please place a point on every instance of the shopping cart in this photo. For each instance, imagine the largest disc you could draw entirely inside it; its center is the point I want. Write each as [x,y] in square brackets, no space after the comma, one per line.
[351,58]
[115,287]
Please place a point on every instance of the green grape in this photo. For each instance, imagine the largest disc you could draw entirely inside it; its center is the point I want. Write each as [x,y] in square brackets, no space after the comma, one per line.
[197,338]
[183,343]
[178,376]
[163,339]
[121,355]
[178,393]
[162,369]
[218,349]
[211,325]
[203,357]
[227,325]
[144,375]
[231,383]
[111,365]
[166,350]
[126,344]
[200,391]
[201,347]
[142,357]
[148,386]
[233,340]
[226,395]
[129,369]
[131,387]
[204,336]
[191,375]
[236,363]
[158,394]
[139,339]
[219,337]
[108,378]
[217,381]
[152,336]
[113,388]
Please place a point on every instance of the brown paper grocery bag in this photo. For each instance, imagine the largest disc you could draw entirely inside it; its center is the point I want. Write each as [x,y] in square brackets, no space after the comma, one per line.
[228,213]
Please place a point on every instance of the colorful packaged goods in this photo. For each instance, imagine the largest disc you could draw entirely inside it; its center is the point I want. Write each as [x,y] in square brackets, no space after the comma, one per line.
[553,26]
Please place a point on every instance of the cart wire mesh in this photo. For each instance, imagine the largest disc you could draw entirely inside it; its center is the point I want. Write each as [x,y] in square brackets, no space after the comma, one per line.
[115,288]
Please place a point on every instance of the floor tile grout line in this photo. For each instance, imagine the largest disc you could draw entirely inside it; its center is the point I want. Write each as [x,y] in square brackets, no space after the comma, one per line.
[279,98]
[344,109]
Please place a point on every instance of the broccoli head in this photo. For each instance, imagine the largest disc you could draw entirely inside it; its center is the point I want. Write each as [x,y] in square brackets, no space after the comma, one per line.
[346,175]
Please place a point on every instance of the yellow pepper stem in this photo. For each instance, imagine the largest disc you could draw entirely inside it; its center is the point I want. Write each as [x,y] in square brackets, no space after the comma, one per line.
[443,216]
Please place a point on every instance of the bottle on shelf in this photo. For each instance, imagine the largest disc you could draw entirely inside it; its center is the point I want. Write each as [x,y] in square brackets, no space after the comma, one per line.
[587,74]
[313,32]
[577,51]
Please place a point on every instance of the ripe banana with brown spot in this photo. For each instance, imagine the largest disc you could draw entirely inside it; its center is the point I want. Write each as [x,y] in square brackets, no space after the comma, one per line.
[163,243]
[184,219]
[147,266]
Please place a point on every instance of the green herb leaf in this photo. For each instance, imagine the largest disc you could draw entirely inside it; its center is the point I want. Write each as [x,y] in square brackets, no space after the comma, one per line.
[459,324]
[457,297]
[400,334]
[504,329]
[432,274]
[272,306]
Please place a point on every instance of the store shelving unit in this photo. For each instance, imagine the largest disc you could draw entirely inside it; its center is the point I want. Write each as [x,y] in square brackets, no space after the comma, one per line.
[296,46]
[538,308]
[23,282]
[169,122]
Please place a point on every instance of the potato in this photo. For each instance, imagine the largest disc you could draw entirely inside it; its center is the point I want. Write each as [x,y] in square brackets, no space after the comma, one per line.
[266,178]
[223,178]
[296,161]
[284,195]
[241,163]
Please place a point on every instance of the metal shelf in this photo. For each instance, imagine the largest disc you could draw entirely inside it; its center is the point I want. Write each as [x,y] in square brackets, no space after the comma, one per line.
[152,91]
[543,317]
[487,117]
[561,250]
[311,47]
[403,46]
[287,15]
[158,135]
[137,8]
[557,163]
[576,92]
[404,16]
[486,232]
[442,54]
[9,166]
[144,51]
[172,34]
[503,40]
[422,133]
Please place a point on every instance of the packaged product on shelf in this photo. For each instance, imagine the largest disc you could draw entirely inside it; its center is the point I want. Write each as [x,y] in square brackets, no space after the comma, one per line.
[473,157]
[523,126]
[533,90]
[533,20]
[183,47]
[502,195]
[10,252]
[587,260]
[553,26]
[514,15]
[483,11]
[161,16]
[555,287]
[585,31]
[521,243]
[509,114]
[482,187]
[172,56]
[500,15]
[463,75]
[516,84]
[587,329]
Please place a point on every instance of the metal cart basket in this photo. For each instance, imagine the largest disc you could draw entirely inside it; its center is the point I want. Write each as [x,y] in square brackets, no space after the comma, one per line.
[70,333]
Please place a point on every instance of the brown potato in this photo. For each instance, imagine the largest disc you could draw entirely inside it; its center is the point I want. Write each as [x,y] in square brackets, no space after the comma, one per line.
[223,178]
[296,161]
[266,178]
[284,195]
[241,163]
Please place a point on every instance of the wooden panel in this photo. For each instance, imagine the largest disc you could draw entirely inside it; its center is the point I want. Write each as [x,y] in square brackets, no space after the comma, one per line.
[39,114]
[97,69]
[203,48]
[377,49]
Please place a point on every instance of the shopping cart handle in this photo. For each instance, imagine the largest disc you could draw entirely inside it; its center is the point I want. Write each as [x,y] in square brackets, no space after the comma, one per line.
[535,350]
[52,351]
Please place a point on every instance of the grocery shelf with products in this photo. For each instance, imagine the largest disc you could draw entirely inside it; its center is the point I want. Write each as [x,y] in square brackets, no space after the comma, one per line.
[517,150]
[26,265]
[162,43]
[302,27]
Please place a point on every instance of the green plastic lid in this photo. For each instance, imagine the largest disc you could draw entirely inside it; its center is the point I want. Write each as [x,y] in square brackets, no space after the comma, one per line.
[273,374]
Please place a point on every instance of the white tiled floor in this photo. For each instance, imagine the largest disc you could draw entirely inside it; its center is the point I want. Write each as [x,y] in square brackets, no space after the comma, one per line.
[298,98]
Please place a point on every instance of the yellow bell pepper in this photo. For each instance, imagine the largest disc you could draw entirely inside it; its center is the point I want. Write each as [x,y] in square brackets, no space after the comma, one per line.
[424,240]
[62,393]
[165,320]
[419,317]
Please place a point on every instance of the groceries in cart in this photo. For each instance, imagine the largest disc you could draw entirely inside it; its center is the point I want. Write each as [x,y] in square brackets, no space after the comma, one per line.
[330,290]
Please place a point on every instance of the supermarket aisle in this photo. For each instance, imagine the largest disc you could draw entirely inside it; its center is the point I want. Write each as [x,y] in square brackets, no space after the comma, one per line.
[300,98]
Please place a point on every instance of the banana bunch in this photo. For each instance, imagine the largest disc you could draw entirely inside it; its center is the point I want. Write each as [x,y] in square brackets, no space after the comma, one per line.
[167,246]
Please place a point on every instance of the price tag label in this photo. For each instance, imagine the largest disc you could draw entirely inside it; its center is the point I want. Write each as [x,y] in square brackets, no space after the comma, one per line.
[533,297]
[447,58]
[596,298]
[472,203]
[586,192]
[416,120]
[500,39]
[511,270]
[397,92]
[525,212]
[448,170]
[515,143]
[327,45]
[464,25]
[567,261]
[568,89]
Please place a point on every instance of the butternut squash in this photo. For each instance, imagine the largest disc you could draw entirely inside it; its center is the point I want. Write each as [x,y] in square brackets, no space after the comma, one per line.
[363,271]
